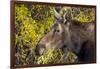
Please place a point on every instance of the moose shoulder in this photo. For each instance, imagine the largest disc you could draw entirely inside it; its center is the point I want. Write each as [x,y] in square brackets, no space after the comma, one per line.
[70,35]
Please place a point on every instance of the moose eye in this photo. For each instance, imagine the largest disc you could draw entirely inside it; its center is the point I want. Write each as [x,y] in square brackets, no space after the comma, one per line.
[65,23]
[57,31]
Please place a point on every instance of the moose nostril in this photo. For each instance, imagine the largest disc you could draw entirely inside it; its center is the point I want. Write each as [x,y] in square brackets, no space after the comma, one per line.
[40,49]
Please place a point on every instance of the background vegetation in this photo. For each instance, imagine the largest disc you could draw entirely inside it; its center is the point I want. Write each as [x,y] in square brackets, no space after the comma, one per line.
[32,22]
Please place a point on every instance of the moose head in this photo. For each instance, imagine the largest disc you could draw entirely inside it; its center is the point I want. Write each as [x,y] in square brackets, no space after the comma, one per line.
[67,34]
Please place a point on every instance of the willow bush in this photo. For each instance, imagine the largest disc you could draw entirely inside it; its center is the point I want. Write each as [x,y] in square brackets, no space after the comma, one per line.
[32,22]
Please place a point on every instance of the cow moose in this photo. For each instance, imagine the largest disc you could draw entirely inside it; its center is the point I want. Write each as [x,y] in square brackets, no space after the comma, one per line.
[72,35]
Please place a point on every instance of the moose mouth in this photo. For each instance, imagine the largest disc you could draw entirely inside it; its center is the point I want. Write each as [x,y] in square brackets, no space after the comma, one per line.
[40,48]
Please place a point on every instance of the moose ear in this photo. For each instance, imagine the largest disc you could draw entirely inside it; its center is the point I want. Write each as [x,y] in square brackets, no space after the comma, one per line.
[56,14]
[68,16]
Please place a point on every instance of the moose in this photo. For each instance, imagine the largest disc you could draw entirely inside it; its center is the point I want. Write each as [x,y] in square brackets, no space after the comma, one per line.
[71,35]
